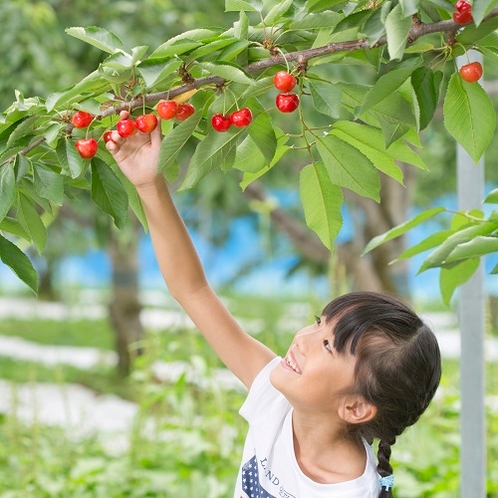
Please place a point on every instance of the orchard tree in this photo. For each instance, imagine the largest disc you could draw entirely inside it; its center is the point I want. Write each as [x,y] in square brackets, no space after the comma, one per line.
[228,94]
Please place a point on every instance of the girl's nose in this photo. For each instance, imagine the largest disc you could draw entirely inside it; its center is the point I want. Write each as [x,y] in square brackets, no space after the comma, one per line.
[304,339]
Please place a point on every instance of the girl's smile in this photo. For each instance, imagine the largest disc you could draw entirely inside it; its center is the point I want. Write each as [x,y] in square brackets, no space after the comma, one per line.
[289,362]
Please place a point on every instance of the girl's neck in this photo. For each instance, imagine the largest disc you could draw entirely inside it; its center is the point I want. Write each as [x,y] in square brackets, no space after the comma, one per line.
[324,452]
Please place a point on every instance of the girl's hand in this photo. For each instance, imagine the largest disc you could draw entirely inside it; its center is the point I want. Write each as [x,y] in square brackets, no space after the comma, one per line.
[138,155]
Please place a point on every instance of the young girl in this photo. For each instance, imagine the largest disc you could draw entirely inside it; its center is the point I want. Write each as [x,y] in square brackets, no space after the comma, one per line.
[366,369]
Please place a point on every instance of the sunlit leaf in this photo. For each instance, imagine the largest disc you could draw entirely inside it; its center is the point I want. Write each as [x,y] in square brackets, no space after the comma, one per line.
[469,116]
[322,201]
[451,278]
[98,37]
[19,263]
[401,229]
[108,192]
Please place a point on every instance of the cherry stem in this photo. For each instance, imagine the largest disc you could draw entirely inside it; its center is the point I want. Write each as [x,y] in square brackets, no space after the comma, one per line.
[285,59]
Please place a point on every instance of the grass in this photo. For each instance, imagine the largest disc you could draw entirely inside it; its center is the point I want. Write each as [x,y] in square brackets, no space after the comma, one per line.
[44,462]
[78,333]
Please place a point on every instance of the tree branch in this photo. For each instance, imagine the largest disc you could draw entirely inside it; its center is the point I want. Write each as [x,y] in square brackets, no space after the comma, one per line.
[418,30]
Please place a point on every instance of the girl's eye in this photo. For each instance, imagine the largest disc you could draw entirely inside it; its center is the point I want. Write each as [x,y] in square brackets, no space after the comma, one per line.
[318,320]
[327,345]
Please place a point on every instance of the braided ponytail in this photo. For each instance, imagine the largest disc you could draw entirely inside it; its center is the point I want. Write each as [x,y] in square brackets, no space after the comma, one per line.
[384,467]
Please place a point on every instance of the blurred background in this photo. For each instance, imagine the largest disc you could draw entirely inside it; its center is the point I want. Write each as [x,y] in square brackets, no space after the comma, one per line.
[107,390]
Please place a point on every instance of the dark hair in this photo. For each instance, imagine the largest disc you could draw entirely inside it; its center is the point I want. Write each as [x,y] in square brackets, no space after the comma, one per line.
[398,365]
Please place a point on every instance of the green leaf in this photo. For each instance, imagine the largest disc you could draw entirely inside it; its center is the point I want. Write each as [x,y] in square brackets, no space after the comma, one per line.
[69,158]
[19,263]
[248,157]
[474,248]
[48,183]
[22,128]
[492,197]
[348,167]
[397,27]
[108,192]
[232,51]
[211,47]
[240,5]
[451,278]
[401,229]
[316,21]
[409,7]
[263,134]
[374,28]
[7,189]
[23,166]
[388,83]
[91,83]
[481,8]
[173,49]
[326,98]
[395,116]
[469,116]
[439,257]
[156,70]
[433,240]
[30,220]
[228,71]
[241,27]
[26,184]
[473,33]
[370,142]
[276,12]
[209,154]
[282,149]
[426,84]
[98,37]
[174,142]
[322,201]
[11,225]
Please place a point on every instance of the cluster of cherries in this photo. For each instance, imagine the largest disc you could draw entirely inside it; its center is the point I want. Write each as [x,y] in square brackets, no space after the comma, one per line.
[463,14]
[170,109]
[285,102]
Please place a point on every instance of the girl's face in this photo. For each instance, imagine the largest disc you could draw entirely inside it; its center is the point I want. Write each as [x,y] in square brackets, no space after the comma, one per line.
[313,375]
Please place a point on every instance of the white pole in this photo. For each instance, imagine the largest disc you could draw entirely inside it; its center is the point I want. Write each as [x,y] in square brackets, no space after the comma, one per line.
[471,312]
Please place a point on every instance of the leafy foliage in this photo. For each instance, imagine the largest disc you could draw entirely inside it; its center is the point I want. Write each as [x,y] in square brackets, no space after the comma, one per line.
[404,49]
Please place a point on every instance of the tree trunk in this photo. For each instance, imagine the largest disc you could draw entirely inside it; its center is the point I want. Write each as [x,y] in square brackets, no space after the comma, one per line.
[125,307]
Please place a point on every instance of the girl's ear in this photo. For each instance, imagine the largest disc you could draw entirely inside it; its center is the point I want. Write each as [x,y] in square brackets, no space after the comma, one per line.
[356,410]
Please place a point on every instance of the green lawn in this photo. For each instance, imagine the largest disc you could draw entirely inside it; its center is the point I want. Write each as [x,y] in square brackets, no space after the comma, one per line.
[204,430]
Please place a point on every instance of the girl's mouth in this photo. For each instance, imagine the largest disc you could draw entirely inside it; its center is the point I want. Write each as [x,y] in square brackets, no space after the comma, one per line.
[290,362]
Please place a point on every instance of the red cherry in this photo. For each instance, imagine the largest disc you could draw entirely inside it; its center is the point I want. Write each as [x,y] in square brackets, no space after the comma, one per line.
[471,72]
[146,123]
[126,127]
[87,147]
[167,109]
[108,136]
[287,102]
[221,122]
[184,111]
[463,17]
[284,81]
[241,118]
[81,119]
[463,5]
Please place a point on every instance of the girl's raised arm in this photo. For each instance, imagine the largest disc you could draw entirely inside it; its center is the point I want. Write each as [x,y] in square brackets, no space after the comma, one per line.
[138,156]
